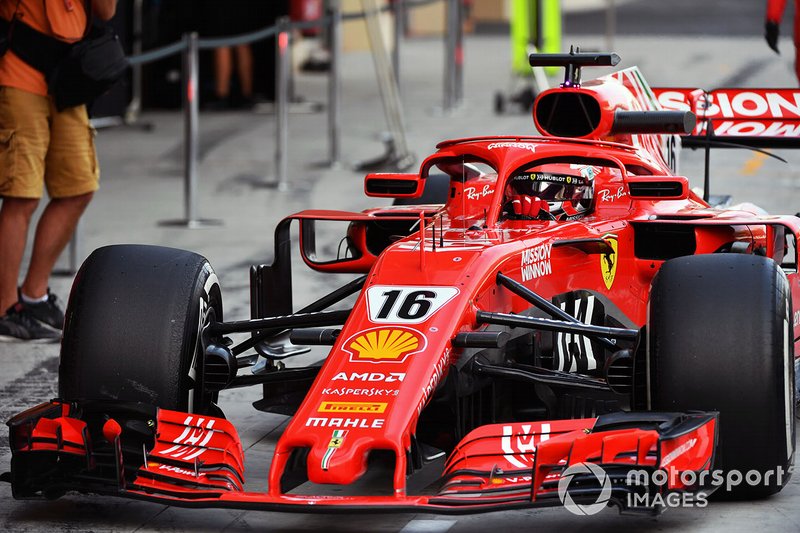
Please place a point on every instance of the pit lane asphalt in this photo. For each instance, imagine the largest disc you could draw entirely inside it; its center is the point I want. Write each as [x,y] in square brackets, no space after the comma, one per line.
[142,184]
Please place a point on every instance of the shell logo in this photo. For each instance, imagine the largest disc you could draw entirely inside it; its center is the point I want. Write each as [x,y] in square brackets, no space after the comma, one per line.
[385,345]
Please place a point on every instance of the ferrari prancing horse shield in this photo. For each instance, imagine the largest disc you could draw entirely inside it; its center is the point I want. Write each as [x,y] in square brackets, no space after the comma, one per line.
[608,263]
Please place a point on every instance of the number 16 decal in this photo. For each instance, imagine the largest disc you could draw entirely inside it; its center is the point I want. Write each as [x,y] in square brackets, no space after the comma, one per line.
[391,304]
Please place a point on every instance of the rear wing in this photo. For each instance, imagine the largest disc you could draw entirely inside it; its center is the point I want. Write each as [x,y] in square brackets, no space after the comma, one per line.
[733,118]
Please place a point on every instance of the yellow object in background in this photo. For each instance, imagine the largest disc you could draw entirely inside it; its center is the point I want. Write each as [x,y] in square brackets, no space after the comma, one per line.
[527,29]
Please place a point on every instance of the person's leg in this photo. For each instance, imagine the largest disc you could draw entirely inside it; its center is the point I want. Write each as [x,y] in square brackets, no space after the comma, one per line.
[15,217]
[16,322]
[71,175]
[53,233]
[24,138]
[223,68]
[244,69]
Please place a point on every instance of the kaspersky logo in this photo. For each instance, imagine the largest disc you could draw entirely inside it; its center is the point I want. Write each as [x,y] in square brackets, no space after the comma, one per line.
[385,345]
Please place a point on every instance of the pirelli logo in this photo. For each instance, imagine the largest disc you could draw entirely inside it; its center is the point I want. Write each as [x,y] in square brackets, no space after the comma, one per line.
[352,407]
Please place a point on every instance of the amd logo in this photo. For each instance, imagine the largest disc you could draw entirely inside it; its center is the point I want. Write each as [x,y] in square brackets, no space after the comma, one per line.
[372,377]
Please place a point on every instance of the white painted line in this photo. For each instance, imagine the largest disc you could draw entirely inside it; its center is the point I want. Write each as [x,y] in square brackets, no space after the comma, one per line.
[428,526]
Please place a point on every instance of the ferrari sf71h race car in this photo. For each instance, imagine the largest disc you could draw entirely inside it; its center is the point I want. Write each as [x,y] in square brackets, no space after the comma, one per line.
[567,301]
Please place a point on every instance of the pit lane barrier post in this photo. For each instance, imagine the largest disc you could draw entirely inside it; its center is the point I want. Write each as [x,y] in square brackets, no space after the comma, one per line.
[282,65]
[399,9]
[458,29]
[334,83]
[135,105]
[454,55]
[191,130]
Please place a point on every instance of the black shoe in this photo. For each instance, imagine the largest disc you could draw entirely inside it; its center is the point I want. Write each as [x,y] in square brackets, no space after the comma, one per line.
[19,324]
[48,311]
[216,104]
[245,103]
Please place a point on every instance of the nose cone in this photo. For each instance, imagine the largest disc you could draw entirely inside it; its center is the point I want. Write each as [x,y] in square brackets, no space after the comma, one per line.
[372,386]
[337,461]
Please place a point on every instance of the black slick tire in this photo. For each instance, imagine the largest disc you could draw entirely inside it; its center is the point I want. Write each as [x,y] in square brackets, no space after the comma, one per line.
[720,339]
[132,326]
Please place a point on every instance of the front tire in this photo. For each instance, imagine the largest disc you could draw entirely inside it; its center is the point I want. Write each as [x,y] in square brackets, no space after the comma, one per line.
[133,324]
[720,339]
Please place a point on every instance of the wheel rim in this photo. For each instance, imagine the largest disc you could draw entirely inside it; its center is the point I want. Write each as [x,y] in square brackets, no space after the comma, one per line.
[207,314]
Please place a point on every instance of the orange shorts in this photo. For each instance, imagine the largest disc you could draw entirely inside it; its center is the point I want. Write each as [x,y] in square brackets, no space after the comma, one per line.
[39,145]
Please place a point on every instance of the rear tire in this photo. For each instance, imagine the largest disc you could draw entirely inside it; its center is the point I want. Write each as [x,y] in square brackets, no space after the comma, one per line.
[132,327]
[720,339]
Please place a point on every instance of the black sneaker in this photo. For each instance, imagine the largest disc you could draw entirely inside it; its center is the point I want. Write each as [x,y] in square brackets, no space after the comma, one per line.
[19,324]
[48,311]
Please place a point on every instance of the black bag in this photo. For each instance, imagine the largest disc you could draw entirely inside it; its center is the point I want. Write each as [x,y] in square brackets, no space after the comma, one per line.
[4,41]
[92,66]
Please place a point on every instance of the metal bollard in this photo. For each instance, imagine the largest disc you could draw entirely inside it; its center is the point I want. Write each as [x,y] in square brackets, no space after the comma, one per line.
[453,55]
[335,83]
[282,60]
[76,248]
[191,130]
[458,86]
[135,106]
[399,9]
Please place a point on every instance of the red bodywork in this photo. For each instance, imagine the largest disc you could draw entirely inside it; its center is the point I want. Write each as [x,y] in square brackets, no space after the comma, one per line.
[427,286]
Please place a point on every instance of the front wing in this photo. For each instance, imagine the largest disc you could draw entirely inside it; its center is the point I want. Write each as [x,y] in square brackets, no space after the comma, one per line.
[141,452]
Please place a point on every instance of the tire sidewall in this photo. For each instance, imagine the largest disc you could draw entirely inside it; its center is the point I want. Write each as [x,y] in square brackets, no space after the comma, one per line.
[207,305]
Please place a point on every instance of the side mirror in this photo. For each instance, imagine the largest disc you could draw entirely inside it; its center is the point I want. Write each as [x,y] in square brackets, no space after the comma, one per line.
[658,187]
[343,247]
[393,185]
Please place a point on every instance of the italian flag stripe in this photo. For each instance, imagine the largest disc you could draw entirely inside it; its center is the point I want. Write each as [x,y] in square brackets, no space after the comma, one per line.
[326,459]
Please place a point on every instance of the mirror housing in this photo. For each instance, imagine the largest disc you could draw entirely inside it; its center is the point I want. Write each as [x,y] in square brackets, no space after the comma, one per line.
[658,187]
[344,241]
[350,253]
[387,185]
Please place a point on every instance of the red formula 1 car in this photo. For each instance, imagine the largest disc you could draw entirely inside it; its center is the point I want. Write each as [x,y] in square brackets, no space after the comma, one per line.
[573,325]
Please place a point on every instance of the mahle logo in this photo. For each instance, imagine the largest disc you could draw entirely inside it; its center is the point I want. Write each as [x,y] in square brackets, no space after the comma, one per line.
[351,407]
[582,469]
